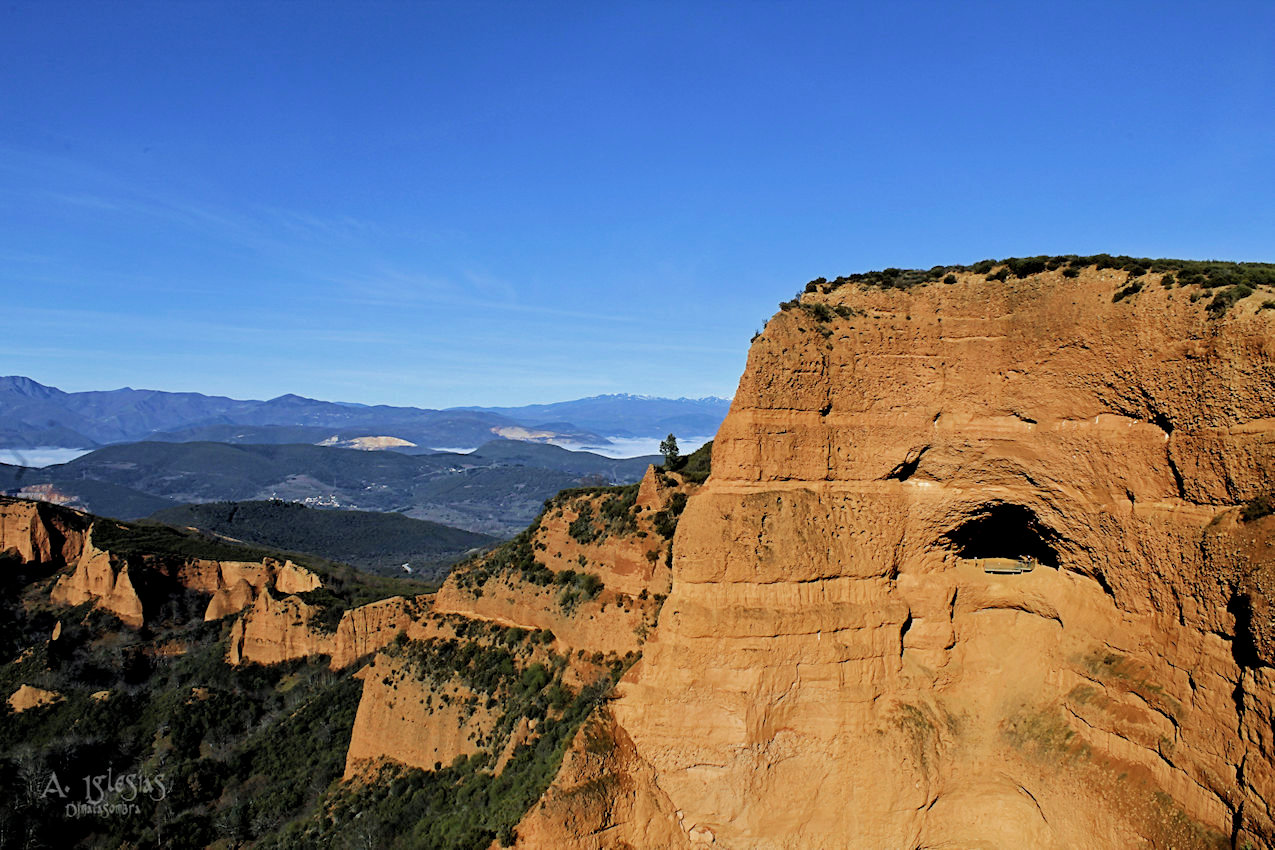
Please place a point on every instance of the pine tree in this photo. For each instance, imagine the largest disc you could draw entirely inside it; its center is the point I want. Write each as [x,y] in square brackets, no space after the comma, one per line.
[668,448]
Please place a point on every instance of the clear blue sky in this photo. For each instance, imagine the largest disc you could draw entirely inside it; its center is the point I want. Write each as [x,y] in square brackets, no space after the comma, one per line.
[501,203]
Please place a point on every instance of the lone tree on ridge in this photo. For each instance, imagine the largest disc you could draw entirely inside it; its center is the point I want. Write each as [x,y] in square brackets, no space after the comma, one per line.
[668,448]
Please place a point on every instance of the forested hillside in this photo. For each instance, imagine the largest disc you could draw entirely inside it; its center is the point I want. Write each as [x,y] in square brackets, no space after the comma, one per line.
[376,542]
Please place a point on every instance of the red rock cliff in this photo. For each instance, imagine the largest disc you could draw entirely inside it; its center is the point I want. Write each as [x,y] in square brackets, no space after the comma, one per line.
[40,533]
[835,668]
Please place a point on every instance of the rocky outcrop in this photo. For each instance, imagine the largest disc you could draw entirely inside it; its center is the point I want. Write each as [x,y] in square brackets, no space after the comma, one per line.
[630,560]
[277,629]
[367,628]
[277,625]
[55,538]
[608,624]
[410,721]
[834,668]
[38,533]
[101,578]
[234,585]
[604,798]
[273,630]
[28,697]
[403,720]
[105,579]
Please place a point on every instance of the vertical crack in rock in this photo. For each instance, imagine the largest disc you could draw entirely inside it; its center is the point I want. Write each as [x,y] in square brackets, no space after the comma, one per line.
[907,468]
[1244,641]
[1178,481]
[1102,582]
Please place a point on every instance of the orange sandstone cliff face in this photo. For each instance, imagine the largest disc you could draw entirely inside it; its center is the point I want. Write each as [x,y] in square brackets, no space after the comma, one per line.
[835,668]
[39,534]
[276,624]
[280,628]
[103,579]
[412,720]
[631,563]
[391,721]
[107,580]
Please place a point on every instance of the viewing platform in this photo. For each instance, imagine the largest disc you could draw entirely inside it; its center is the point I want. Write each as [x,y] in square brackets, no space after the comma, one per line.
[1007,566]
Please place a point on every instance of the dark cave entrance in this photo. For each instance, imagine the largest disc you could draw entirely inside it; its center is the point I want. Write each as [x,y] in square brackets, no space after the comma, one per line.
[1004,531]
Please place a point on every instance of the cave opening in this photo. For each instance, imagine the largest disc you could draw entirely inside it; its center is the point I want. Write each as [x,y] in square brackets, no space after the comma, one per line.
[1006,531]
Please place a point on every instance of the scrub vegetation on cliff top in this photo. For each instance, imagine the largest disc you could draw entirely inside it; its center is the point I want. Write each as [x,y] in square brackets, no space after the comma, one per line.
[517,558]
[1227,281]
[696,466]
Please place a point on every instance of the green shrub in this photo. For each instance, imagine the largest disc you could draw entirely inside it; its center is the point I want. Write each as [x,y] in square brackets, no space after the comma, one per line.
[951,278]
[617,512]
[698,464]
[665,521]
[1227,298]
[1132,289]
[1027,266]
[1002,275]
[591,585]
[576,587]
[582,529]
[331,608]
[822,312]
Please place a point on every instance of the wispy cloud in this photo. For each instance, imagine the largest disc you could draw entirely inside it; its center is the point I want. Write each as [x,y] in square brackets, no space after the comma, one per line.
[390,287]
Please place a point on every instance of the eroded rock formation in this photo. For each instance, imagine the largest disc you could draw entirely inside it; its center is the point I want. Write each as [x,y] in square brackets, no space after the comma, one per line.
[834,667]
[412,721]
[99,577]
[28,697]
[282,628]
[38,533]
[105,578]
[390,721]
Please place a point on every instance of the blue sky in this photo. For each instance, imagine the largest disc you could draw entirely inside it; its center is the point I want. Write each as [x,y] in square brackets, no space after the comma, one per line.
[439,204]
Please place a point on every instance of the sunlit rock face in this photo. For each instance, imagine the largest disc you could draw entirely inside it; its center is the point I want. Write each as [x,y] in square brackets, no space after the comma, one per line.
[421,722]
[968,573]
[35,533]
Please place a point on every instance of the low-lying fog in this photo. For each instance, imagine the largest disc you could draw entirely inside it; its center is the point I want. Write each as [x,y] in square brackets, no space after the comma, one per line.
[40,457]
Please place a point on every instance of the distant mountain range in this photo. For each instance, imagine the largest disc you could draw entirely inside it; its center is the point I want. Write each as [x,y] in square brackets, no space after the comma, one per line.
[624,415]
[497,489]
[33,415]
